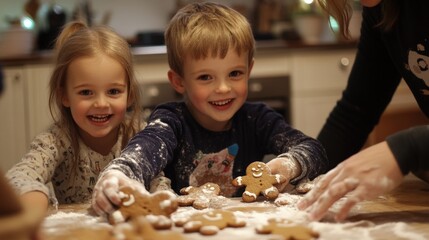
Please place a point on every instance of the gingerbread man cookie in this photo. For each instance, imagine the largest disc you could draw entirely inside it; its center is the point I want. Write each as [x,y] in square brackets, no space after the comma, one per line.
[211,222]
[141,228]
[287,230]
[198,197]
[134,203]
[258,179]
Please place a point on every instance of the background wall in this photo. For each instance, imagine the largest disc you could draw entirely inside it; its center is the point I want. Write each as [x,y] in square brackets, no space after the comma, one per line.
[127,16]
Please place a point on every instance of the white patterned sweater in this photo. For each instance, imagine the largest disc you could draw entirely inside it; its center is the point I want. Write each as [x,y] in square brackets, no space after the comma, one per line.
[47,168]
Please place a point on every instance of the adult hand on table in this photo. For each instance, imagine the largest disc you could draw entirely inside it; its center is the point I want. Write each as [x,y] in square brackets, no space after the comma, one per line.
[363,176]
[106,191]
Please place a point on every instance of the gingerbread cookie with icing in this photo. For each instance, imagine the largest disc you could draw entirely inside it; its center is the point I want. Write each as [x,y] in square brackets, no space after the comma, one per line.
[198,197]
[211,222]
[287,230]
[258,180]
[135,203]
[141,228]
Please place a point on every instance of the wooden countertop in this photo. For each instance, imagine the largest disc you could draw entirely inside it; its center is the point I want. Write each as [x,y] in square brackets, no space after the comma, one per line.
[402,214]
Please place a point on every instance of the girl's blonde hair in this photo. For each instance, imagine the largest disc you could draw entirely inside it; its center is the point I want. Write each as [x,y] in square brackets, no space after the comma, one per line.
[200,29]
[78,40]
[341,11]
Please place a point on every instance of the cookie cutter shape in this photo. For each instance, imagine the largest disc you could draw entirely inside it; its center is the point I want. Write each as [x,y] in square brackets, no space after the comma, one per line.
[141,228]
[210,222]
[135,203]
[259,180]
[198,197]
[287,230]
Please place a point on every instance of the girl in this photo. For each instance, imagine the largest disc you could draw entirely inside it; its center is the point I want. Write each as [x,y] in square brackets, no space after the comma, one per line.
[91,88]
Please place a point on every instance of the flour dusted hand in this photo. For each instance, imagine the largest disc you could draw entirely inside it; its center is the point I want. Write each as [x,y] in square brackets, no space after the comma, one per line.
[106,194]
[365,175]
[287,167]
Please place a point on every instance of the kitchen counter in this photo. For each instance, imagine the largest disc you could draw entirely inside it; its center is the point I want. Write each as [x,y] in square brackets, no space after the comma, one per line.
[401,214]
[41,57]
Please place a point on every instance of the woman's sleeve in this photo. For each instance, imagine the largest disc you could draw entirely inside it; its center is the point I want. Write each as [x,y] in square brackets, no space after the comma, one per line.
[370,87]
[411,148]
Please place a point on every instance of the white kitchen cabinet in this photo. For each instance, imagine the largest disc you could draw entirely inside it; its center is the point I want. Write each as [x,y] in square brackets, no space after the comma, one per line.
[37,92]
[14,138]
[24,105]
[318,78]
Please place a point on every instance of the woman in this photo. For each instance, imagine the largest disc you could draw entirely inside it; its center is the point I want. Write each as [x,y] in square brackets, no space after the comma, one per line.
[393,46]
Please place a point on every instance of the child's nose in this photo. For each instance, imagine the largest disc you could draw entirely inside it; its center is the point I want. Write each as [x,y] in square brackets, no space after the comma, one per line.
[224,86]
[101,101]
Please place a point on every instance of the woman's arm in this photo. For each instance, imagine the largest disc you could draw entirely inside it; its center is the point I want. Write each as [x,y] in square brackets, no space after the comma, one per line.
[371,85]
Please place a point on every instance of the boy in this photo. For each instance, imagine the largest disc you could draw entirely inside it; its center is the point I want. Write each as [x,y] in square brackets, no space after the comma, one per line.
[214,134]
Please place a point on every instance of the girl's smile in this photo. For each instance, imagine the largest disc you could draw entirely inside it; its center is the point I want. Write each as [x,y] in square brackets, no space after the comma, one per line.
[97,95]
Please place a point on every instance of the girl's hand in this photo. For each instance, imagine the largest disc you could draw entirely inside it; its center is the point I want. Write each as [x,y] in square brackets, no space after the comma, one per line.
[287,167]
[106,191]
[363,176]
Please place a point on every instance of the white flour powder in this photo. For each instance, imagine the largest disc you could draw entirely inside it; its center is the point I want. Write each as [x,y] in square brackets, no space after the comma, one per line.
[256,214]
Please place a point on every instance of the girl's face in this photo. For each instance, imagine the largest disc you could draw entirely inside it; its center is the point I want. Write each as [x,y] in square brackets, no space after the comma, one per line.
[96,93]
[215,88]
[370,3]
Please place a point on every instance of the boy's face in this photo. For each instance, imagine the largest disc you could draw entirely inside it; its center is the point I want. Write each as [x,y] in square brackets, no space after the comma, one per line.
[216,88]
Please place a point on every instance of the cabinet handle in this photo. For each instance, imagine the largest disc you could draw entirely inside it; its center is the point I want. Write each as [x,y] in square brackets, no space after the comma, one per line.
[344,63]
[16,78]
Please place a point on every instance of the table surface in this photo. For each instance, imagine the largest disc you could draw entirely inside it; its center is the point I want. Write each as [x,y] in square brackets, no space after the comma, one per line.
[401,214]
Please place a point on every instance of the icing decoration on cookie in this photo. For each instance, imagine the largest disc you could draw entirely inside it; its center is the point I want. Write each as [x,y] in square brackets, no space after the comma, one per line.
[135,203]
[198,197]
[258,180]
[287,230]
[141,228]
[211,222]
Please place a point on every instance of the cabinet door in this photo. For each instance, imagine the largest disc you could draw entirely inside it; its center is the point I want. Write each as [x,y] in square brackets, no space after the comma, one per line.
[13,140]
[318,79]
[311,113]
[321,72]
[37,92]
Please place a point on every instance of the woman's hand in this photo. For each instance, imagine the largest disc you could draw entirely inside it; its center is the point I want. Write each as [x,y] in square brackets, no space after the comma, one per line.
[365,175]
[106,192]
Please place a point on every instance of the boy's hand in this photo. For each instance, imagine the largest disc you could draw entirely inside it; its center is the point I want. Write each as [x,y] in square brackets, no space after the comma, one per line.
[106,191]
[287,167]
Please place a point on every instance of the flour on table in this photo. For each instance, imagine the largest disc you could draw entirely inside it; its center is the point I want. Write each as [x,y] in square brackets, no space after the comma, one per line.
[256,214]
[72,220]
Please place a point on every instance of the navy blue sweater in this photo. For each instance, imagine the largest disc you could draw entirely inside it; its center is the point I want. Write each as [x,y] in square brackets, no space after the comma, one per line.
[189,154]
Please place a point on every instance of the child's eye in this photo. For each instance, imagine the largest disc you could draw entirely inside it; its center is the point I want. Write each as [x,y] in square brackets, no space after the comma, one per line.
[204,77]
[235,74]
[114,91]
[85,92]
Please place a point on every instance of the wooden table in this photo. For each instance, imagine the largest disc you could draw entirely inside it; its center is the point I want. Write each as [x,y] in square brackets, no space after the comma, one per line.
[402,214]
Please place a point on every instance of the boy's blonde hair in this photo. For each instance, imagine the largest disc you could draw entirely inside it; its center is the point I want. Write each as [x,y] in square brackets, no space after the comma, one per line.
[78,40]
[206,30]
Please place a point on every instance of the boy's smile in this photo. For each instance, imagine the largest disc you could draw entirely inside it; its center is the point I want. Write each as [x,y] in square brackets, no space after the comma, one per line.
[215,88]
